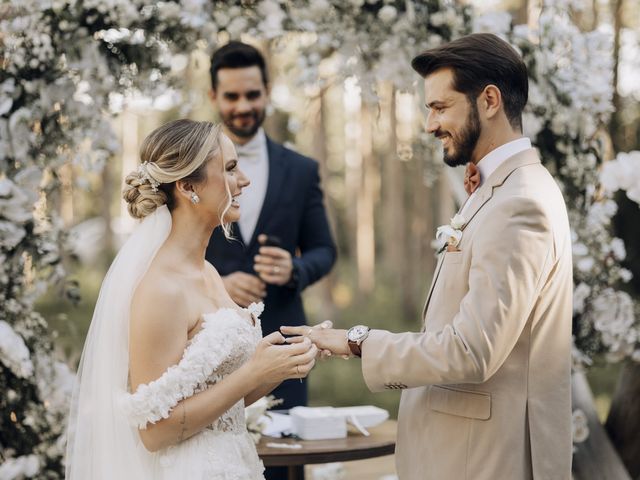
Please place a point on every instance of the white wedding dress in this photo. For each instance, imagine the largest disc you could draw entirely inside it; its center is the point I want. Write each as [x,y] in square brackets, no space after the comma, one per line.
[224,450]
[103,437]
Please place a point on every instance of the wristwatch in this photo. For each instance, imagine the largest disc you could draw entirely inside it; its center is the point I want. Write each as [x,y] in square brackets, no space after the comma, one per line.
[355,336]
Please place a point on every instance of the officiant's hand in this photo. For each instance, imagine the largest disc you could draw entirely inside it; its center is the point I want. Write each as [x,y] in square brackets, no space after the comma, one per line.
[273,264]
[326,339]
[244,288]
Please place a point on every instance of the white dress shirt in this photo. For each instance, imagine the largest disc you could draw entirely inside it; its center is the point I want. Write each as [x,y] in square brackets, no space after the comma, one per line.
[492,160]
[253,160]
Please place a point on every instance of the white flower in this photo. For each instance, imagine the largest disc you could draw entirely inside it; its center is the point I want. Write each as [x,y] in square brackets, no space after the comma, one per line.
[580,294]
[10,234]
[221,17]
[13,351]
[625,275]
[26,466]
[237,26]
[447,235]
[458,221]
[493,22]
[256,413]
[387,14]
[579,426]
[319,7]
[618,249]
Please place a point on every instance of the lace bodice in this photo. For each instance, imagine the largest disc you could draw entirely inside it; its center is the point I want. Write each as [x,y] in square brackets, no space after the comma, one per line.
[224,450]
[233,420]
[225,341]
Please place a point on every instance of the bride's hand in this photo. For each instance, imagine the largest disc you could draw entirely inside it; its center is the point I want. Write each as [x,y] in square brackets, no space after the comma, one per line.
[326,339]
[276,360]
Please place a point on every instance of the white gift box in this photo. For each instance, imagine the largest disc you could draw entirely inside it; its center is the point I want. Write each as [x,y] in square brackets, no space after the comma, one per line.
[323,423]
[319,423]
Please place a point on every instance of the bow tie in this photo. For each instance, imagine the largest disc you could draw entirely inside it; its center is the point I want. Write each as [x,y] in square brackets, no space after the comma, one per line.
[471,178]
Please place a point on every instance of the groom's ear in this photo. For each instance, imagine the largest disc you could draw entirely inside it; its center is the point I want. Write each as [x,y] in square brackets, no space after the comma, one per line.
[490,101]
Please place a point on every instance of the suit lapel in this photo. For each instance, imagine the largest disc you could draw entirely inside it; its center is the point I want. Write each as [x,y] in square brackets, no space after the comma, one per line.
[274,187]
[495,180]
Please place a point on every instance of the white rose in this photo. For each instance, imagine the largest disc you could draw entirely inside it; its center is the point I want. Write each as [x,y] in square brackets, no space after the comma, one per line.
[387,14]
[13,351]
[221,18]
[618,249]
[447,235]
[458,221]
[579,426]
[626,275]
[10,234]
[319,7]
[494,22]
[237,26]
[580,294]
[585,264]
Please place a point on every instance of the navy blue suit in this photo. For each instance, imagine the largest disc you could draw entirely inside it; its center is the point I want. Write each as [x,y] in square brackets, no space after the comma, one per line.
[294,212]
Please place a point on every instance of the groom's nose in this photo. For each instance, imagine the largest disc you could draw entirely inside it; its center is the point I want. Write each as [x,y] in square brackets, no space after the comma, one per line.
[431,125]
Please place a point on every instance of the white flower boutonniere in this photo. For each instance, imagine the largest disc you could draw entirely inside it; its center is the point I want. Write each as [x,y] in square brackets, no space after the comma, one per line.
[450,235]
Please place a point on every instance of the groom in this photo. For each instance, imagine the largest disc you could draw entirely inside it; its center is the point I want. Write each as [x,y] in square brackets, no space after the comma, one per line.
[487,380]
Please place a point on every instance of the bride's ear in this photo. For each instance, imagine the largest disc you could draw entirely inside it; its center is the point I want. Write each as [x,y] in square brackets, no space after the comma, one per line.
[185,189]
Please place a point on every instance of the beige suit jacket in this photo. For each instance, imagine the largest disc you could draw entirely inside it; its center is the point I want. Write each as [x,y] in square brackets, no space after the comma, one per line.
[488,379]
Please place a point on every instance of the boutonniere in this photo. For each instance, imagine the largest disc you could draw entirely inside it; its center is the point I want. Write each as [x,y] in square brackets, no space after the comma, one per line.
[450,235]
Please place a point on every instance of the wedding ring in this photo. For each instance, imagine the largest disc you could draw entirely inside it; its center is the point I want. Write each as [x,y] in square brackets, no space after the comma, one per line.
[276,269]
[297,370]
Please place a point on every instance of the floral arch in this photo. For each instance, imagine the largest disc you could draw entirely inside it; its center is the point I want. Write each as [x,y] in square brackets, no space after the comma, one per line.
[64,60]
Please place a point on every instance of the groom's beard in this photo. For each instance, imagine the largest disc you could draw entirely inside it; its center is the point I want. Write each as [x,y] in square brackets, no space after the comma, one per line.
[462,146]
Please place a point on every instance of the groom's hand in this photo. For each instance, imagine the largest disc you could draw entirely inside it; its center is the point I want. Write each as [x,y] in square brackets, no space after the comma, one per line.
[326,339]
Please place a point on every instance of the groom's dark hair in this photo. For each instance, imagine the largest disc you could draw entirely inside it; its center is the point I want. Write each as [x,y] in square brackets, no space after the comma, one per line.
[237,55]
[479,60]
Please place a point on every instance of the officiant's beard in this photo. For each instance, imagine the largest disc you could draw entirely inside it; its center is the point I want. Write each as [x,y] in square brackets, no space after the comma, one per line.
[249,131]
[462,147]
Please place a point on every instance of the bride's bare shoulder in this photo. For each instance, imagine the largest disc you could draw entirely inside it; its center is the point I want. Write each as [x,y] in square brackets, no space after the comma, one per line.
[159,296]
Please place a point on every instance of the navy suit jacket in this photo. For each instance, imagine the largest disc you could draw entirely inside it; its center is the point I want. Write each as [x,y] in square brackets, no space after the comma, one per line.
[293,211]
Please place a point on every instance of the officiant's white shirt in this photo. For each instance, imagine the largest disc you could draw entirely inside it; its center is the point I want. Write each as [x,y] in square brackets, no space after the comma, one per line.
[492,160]
[253,160]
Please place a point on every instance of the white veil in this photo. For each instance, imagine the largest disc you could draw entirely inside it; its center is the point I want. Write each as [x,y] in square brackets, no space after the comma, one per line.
[102,444]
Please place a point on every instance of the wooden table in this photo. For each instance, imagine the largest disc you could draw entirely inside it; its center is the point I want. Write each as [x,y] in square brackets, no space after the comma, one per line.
[381,442]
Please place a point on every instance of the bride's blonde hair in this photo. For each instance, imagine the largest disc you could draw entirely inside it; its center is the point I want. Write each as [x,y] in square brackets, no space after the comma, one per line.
[178,150]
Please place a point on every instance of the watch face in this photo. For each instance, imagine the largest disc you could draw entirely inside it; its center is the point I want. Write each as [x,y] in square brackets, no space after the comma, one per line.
[357,333]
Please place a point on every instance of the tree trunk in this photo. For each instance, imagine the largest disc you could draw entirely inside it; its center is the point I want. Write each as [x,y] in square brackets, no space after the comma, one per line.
[614,125]
[393,192]
[320,153]
[623,422]
[595,458]
[365,235]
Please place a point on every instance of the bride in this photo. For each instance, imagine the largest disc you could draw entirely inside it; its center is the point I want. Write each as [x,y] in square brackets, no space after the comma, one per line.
[170,361]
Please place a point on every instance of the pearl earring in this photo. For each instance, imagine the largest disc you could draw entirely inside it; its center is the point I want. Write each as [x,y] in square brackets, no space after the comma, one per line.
[195,199]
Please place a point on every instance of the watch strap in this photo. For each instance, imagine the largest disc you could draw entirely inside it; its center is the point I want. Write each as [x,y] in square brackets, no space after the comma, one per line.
[355,348]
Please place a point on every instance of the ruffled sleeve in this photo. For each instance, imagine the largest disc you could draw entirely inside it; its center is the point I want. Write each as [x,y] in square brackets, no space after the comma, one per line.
[207,351]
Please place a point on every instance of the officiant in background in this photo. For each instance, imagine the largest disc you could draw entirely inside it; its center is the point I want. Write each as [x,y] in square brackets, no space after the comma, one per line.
[283,242]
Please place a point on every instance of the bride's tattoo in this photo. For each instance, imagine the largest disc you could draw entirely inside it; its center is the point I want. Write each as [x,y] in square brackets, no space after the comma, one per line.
[183,422]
